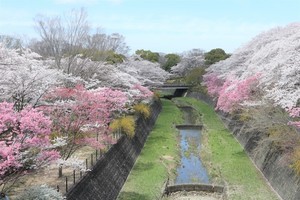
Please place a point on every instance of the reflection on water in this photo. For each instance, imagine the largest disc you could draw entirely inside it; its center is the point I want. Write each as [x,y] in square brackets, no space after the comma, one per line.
[191,169]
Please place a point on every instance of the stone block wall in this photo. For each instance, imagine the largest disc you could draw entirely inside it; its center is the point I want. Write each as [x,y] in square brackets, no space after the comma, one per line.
[109,174]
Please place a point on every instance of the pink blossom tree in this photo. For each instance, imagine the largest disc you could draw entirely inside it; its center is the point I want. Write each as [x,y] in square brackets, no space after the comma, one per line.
[24,142]
[295,113]
[82,116]
[213,83]
[234,92]
[140,93]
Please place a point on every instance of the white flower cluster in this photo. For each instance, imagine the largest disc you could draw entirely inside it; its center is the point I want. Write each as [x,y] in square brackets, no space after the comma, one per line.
[146,72]
[73,162]
[189,61]
[25,76]
[275,56]
[59,142]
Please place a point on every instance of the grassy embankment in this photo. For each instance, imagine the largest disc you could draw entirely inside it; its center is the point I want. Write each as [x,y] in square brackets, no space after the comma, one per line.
[226,161]
[158,158]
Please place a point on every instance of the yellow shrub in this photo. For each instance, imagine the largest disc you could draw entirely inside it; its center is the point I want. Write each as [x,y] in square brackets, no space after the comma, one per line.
[281,135]
[156,95]
[245,116]
[281,131]
[143,109]
[128,126]
[296,161]
[276,131]
[125,125]
[115,125]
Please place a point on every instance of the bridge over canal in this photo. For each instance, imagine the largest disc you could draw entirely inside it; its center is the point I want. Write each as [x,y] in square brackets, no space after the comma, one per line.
[173,90]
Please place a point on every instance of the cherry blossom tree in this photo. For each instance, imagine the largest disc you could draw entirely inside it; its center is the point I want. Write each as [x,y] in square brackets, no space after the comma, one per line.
[273,54]
[234,92]
[189,60]
[105,75]
[273,57]
[25,77]
[122,75]
[147,73]
[213,83]
[24,142]
[140,93]
[82,116]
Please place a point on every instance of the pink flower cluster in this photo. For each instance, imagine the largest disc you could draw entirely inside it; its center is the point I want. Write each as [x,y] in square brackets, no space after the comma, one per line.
[213,83]
[234,92]
[19,133]
[295,113]
[144,92]
[231,92]
[80,112]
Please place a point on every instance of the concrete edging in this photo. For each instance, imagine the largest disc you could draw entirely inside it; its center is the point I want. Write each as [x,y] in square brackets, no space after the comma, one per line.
[194,187]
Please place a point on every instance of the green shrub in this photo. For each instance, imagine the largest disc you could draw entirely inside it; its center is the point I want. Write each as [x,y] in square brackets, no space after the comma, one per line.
[194,77]
[215,55]
[172,60]
[114,58]
[148,55]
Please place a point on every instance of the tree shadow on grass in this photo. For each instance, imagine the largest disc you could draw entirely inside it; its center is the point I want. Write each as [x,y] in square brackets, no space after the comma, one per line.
[132,196]
[155,139]
[240,154]
[143,166]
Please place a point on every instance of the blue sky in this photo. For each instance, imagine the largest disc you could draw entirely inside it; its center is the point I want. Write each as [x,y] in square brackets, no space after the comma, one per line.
[170,26]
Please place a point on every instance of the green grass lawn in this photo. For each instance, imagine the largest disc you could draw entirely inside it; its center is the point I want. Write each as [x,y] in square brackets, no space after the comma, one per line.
[226,160]
[158,158]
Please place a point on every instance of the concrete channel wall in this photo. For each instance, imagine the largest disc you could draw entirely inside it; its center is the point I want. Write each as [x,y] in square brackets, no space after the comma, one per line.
[109,174]
[265,156]
[194,187]
[268,159]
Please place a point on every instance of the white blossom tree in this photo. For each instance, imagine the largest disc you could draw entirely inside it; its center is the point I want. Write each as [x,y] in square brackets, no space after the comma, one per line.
[25,77]
[275,56]
[189,60]
[146,72]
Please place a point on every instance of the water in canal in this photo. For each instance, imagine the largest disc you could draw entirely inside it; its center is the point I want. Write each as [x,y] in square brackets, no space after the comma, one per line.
[191,169]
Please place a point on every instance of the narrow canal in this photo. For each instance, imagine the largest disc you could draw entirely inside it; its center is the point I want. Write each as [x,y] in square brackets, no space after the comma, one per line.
[190,169]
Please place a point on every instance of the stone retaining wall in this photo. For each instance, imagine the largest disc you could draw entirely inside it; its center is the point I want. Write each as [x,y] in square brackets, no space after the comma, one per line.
[109,174]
